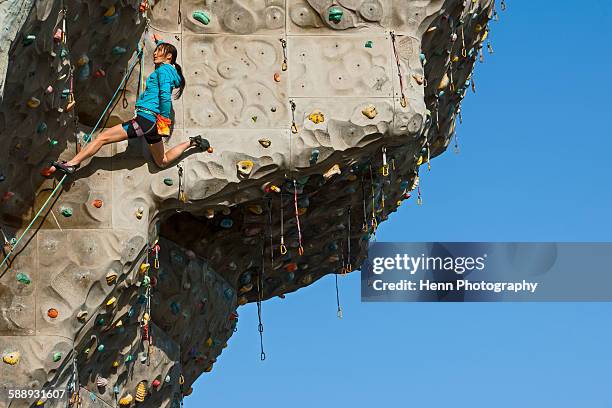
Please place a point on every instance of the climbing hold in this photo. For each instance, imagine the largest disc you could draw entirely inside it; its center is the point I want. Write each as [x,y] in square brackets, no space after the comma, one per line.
[111,301]
[477,28]
[129,358]
[277,77]
[110,11]
[156,383]
[118,50]
[307,279]
[23,278]
[115,365]
[97,203]
[84,73]
[244,167]
[7,196]
[246,288]
[127,400]
[46,172]
[100,73]
[228,293]
[335,169]
[265,142]
[369,44]
[66,211]
[226,223]
[314,156]
[82,315]
[316,117]
[83,60]
[255,209]
[140,392]
[111,277]
[41,128]
[431,29]
[144,268]
[33,103]
[175,308]
[419,79]
[335,14]
[291,267]
[168,181]
[139,213]
[101,382]
[53,142]
[210,213]
[101,348]
[11,358]
[29,39]
[443,82]
[49,90]
[209,342]
[370,111]
[201,16]
[52,313]
[57,356]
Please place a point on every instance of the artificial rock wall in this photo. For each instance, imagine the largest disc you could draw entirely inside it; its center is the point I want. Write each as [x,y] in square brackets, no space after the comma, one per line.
[319,112]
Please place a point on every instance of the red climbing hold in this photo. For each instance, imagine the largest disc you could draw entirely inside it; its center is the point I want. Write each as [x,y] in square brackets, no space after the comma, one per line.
[100,73]
[97,203]
[7,196]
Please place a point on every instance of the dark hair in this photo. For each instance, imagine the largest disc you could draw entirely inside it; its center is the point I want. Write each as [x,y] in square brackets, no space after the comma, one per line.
[171,49]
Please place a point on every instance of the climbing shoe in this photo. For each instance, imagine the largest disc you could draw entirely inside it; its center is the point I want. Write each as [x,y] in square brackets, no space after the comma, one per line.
[63,167]
[200,143]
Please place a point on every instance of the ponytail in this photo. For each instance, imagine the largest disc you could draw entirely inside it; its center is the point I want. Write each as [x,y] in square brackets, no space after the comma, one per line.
[179,70]
[171,49]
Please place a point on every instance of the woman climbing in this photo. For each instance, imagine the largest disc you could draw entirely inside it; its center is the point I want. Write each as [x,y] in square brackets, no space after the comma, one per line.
[152,121]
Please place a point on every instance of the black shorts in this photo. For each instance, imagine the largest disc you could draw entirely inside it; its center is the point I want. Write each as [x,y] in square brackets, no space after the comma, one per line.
[148,128]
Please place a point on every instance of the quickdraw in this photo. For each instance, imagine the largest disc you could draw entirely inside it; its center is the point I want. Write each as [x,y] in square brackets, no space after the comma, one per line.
[403,100]
[503,5]
[385,165]
[283,248]
[419,198]
[373,221]
[428,157]
[463,49]
[364,227]
[349,266]
[338,298]
[297,219]
[155,251]
[284,45]
[182,197]
[260,280]
[294,128]
[456,149]
[270,231]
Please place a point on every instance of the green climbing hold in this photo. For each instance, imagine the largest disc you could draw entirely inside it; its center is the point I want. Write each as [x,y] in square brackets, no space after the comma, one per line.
[369,44]
[29,39]
[66,211]
[53,142]
[118,50]
[168,181]
[64,53]
[201,16]
[23,278]
[57,356]
[335,14]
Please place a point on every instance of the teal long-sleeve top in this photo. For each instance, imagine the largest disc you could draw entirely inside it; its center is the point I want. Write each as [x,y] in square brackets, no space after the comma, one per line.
[157,96]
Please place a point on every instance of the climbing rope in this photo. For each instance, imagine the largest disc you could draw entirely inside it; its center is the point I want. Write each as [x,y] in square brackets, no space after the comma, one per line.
[403,100]
[338,298]
[86,140]
[297,219]
[349,266]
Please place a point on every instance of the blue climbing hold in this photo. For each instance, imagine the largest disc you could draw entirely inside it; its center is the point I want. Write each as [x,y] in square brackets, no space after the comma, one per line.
[175,308]
[118,50]
[41,128]
[245,278]
[314,156]
[228,293]
[226,223]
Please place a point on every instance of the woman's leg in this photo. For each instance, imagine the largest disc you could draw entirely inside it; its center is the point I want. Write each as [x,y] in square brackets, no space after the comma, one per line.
[112,135]
[163,158]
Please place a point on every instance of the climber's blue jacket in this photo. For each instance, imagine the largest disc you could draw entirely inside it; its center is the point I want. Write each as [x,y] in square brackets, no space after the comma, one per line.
[157,96]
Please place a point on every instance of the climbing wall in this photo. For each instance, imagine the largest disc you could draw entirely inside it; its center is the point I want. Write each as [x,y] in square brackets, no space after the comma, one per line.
[121,283]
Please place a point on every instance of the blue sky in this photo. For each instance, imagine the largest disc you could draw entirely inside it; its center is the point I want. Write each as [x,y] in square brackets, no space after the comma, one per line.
[534,166]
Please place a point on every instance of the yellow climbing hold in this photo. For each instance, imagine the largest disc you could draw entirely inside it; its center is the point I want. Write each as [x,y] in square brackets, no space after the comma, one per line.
[140,392]
[139,213]
[316,117]
[11,358]
[144,268]
[335,169]
[127,400]
[256,209]
[115,364]
[111,278]
[109,11]
[443,82]
[33,102]
[370,111]
[111,301]
[209,342]
[244,167]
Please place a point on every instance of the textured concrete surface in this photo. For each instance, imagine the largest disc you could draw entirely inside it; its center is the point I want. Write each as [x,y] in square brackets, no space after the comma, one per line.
[317,135]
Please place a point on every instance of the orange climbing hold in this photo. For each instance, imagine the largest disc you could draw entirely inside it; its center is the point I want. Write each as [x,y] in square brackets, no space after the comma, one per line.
[97,203]
[52,313]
